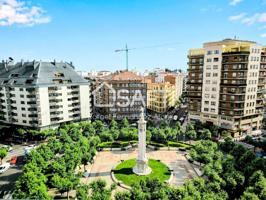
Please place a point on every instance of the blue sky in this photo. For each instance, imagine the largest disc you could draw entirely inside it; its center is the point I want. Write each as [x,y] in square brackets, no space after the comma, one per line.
[88,31]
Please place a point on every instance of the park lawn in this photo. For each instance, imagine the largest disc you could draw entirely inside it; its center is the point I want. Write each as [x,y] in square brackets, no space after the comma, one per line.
[124,172]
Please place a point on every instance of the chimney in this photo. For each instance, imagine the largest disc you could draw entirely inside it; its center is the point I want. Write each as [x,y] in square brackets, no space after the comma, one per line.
[5,65]
[22,62]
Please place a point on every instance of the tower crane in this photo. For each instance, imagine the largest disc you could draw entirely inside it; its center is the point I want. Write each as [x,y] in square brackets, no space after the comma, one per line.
[126,49]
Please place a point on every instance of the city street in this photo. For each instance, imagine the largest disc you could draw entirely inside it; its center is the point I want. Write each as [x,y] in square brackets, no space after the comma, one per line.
[9,177]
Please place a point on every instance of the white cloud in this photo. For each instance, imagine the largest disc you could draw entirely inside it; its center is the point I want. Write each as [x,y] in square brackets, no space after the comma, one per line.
[235,2]
[257,17]
[17,12]
[250,20]
[237,17]
[263,35]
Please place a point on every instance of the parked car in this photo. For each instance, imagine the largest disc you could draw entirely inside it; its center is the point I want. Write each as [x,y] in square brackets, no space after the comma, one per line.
[32,145]
[4,167]
[13,160]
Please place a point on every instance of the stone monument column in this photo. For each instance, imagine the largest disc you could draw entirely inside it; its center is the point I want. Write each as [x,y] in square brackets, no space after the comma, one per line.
[142,167]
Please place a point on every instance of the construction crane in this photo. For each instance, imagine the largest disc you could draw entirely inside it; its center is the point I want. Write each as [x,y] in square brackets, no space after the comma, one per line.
[125,50]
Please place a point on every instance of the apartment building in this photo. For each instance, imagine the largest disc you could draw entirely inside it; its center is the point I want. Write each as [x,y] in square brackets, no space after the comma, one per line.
[120,95]
[160,96]
[176,79]
[225,84]
[42,94]
[164,90]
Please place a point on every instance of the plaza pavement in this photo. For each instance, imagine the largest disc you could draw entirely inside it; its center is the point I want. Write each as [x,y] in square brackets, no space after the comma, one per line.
[106,160]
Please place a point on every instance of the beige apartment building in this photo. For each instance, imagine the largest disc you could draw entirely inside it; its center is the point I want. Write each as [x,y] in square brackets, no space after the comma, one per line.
[42,94]
[225,85]
[161,96]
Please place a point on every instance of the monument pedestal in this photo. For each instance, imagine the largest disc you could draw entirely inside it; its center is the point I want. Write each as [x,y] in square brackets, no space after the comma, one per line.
[142,168]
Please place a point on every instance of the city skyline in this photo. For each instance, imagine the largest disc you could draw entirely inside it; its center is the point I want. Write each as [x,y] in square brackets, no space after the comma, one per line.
[88,32]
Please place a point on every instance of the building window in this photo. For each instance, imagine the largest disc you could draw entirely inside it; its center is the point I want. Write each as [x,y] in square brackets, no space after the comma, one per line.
[215,66]
[209,52]
[215,59]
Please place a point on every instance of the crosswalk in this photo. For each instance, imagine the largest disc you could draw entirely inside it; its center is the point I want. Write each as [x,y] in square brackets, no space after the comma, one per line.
[5,194]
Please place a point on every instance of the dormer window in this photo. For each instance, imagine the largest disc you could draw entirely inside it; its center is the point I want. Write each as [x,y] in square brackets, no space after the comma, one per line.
[14,75]
[58,74]
[29,81]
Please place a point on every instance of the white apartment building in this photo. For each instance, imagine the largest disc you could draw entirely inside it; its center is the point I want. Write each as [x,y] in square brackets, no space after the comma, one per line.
[42,95]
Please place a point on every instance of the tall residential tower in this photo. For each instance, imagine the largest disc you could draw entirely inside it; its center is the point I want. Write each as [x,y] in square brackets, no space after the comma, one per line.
[225,85]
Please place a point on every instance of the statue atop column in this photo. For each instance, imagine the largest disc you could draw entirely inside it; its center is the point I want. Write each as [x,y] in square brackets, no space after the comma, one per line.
[142,167]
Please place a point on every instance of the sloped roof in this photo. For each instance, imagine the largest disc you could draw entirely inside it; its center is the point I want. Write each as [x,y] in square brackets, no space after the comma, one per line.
[38,73]
[126,75]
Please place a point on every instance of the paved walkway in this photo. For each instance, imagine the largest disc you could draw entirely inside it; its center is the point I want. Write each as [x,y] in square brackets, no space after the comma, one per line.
[106,160]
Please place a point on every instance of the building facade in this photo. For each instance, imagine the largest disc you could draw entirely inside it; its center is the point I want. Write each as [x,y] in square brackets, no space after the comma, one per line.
[42,94]
[161,96]
[225,83]
[164,90]
[120,95]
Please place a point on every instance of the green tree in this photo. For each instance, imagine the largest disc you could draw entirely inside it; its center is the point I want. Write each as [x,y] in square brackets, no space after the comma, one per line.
[31,184]
[113,124]
[206,134]
[98,125]
[148,135]
[82,192]
[65,183]
[125,123]
[191,134]
[99,190]
[3,153]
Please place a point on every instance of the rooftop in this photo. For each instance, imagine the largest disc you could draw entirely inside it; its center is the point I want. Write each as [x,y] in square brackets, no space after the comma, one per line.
[38,73]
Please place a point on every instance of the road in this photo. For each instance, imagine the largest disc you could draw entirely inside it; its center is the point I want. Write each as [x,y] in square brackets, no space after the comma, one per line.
[9,177]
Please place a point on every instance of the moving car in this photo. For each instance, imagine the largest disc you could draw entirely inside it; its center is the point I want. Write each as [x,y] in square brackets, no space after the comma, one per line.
[4,167]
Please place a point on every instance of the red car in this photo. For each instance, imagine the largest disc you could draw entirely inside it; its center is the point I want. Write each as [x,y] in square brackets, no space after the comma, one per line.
[13,160]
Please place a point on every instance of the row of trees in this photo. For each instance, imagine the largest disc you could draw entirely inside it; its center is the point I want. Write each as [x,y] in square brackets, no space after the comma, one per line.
[236,171]
[123,131]
[54,165]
